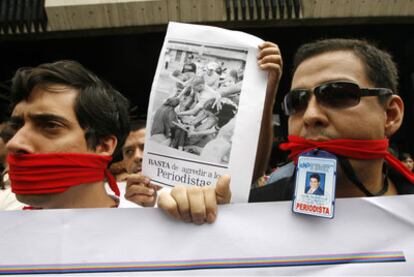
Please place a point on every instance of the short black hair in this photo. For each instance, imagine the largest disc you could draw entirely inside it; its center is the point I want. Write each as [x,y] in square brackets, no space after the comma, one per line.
[189,67]
[403,156]
[6,132]
[4,107]
[100,109]
[315,176]
[137,119]
[137,124]
[379,66]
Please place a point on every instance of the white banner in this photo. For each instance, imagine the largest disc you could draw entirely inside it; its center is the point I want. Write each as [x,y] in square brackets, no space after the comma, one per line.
[368,236]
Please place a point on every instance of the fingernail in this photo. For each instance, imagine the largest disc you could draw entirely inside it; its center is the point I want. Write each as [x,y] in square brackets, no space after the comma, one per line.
[151,191]
[186,218]
[198,221]
[211,217]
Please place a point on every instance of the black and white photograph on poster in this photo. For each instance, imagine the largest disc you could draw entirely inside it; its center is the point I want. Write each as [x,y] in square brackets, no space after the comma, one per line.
[205,109]
[197,98]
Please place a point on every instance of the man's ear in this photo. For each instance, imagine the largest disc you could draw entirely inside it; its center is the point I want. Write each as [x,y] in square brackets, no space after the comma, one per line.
[395,113]
[107,146]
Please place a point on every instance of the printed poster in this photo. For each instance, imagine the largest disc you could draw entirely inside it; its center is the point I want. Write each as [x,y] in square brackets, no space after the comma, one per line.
[205,109]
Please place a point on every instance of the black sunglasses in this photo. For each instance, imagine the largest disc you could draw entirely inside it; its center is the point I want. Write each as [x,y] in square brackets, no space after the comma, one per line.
[336,95]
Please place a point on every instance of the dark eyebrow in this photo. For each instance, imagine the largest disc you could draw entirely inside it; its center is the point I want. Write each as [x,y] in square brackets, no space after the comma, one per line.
[48,117]
[15,122]
[127,147]
[16,119]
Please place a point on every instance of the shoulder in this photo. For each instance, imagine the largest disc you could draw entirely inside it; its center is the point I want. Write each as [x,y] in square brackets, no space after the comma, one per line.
[8,200]
[281,190]
[319,191]
[402,185]
[285,171]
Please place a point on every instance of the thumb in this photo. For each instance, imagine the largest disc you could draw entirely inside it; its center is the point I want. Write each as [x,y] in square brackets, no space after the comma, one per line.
[223,192]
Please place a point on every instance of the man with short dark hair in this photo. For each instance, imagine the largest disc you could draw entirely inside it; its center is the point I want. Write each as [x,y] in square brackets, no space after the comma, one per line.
[133,149]
[407,160]
[68,123]
[344,100]
[138,188]
[314,185]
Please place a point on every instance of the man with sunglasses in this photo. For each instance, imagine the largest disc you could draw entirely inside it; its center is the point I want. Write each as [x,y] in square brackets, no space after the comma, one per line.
[343,100]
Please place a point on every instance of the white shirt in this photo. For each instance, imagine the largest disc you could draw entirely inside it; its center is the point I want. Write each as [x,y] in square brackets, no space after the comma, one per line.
[8,201]
[125,203]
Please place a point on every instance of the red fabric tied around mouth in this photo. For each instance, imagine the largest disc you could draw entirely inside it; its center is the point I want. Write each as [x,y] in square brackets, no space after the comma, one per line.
[56,172]
[356,149]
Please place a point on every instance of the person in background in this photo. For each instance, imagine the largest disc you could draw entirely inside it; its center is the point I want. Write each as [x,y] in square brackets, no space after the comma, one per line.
[407,160]
[162,128]
[138,188]
[211,78]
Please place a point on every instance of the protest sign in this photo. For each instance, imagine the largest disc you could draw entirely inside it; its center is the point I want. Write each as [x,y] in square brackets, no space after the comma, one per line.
[368,236]
[205,108]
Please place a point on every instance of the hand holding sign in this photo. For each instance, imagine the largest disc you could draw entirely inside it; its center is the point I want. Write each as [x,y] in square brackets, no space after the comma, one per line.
[196,204]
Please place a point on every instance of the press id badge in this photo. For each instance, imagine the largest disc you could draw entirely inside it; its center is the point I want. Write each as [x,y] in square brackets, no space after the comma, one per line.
[315,184]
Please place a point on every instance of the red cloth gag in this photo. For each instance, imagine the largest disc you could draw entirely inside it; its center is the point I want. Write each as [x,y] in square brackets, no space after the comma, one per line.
[56,172]
[356,149]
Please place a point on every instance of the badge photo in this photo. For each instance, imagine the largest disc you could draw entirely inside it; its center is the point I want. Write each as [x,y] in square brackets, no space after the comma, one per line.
[315,184]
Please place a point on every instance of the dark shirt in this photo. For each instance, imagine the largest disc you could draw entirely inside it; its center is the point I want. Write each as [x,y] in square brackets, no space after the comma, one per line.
[283,189]
[318,191]
[163,119]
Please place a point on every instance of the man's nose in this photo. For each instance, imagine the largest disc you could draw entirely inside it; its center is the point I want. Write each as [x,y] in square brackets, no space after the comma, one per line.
[314,115]
[138,155]
[21,142]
